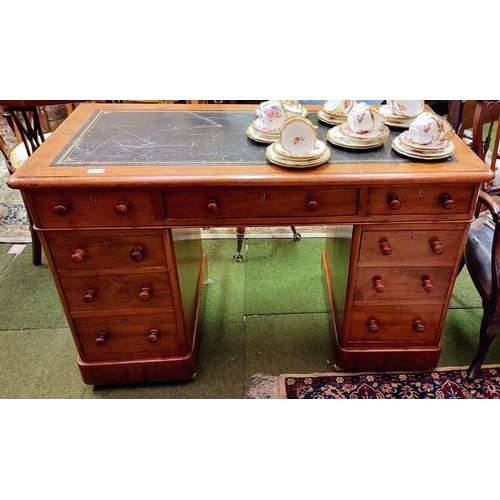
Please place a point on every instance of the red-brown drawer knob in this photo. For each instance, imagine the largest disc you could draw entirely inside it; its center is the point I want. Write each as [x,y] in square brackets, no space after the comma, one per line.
[418,325]
[447,202]
[123,208]
[377,283]
[312,204]
[101,339]
[394,202]
[63,208]
[137,254]
[437,247]
[212,206]
[145,294]
[89,296]
[78,255]
[153,336]
[427,284]
[372,325]
[386,248]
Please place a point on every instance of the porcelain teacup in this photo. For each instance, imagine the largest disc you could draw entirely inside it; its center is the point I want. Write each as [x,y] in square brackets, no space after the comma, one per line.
[429,127]
[338,107]
[364,119]
[271,116]
[405,109]
[292,107]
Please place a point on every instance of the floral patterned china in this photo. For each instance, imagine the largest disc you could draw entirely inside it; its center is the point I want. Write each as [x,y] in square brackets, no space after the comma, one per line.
[363,118]
[380,133]
[404,109]
[429,154]
[255,134]
[316,151]
[294,108]
[338,138]
[338,107]
[298,135]
[271,116]
[406,140]
[429,128]
[275,155]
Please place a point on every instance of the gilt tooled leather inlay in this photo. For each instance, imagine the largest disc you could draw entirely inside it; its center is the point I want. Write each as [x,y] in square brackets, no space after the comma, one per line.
[150,137]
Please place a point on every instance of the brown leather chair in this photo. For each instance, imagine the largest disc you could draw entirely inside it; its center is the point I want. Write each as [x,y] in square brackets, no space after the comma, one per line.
[482,249]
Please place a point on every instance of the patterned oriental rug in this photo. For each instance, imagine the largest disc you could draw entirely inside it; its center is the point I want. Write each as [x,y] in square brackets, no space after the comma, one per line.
[445,383]
[14,225]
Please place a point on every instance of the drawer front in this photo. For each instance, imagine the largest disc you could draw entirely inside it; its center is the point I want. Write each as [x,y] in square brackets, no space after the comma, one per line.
[429,200]
[261,202]
[108,251]
[394,283]
[69,209]
[395,324]
[417,248]
[117,291]
[128,337]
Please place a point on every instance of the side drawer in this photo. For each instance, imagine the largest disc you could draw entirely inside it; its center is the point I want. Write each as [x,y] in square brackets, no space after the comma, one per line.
[70,209]
[427,200]
[394,324]
[117,291]
[410,283]
[106,250]
[417,248]
[129,337]
[261,202]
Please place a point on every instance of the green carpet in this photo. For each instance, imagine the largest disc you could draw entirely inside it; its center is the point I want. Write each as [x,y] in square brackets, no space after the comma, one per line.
[264,314]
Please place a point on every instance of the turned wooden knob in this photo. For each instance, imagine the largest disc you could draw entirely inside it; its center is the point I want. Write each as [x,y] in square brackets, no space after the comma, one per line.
[145,294]
[123,208]
[101,339]
[78,255]
[153,336]
[312,204]
[418,325]
[212,206]
[437,247]
[394,202]
[377,283]
[372,325]
[63,208]
[427,284]
[89,296]
[137,254]
[386,248]
[447,202]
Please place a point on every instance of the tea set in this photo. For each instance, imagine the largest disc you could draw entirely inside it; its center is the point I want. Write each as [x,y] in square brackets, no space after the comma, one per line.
[292,138]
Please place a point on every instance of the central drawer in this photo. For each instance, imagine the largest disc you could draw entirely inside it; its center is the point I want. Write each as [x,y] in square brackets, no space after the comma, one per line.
[261,202]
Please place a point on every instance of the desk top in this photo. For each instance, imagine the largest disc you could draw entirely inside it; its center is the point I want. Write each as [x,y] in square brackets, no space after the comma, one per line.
[133,145]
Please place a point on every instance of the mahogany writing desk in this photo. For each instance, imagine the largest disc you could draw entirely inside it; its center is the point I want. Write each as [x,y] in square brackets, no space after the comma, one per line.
[119,192]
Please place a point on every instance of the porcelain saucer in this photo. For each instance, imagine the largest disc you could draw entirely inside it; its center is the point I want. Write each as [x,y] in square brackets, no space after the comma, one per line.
[398,146]
[433,146]
[331,119]
[336,137]
[289,161]
[303,112]
[395,121]
[254,134]
[315,152]
[380,134]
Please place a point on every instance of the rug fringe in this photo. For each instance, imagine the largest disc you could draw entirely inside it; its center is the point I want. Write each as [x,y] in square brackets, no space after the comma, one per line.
[263,386]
